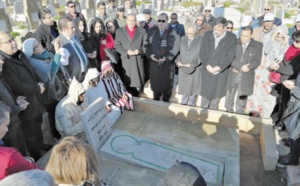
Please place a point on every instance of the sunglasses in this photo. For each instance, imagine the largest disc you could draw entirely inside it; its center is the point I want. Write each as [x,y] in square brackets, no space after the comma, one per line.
[266,9]
[73,6]
[200,19]
[296,41]
[207,10]
[160,20]
[229,27]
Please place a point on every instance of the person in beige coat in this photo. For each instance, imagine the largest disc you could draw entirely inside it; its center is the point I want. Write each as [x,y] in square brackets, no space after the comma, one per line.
[202,26]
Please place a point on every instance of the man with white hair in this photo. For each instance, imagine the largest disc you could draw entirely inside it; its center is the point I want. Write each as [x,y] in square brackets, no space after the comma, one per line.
[258,22]
[208,17]
[264,33]
[202,26]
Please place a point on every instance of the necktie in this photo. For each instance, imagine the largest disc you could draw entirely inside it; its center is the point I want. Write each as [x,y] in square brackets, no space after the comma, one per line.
[161,33]
[81,55]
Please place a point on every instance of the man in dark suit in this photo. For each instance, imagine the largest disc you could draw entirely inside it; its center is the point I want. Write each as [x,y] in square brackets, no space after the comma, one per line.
[130,41]
[21,79]
[242,71]
[47,31]
[217,53]
[78,60]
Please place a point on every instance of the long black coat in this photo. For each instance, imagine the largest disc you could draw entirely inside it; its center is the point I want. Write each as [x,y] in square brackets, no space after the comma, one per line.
[189,77]
[20,77]
[213,86]
[44,36]
[162,76]
[133,66]
[252,56]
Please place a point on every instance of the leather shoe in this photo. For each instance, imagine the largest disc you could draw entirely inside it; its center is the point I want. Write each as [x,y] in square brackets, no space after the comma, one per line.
[286,139]
[289,160]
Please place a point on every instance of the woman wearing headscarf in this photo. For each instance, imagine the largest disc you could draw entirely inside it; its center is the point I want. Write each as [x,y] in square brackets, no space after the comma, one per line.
[84,37]
[45,65]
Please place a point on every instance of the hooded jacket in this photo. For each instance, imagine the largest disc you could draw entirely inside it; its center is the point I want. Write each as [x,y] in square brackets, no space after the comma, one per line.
[67,113]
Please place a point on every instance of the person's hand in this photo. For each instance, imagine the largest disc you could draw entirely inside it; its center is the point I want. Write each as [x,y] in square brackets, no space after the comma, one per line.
[125,97]
[108,108]
[136,52]
[235,71]
[21,101]
[245,68]
[42,88]
[162,59]
[130,53]
[57,45]
[187,65]
[153,57]
[209,68]
[179,64]
[216,69]
[289,84]
[274,66]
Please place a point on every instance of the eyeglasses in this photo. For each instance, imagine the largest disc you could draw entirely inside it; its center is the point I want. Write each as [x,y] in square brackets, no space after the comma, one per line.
[230,27]
[200,19]
[73,6]
[9,41]
[266,9]
[160,20]
[207,10]
[295,41]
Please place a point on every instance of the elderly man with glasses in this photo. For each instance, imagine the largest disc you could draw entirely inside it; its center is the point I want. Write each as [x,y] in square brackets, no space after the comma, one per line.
[258,22]
[208,17]
[202,26]
[162,46]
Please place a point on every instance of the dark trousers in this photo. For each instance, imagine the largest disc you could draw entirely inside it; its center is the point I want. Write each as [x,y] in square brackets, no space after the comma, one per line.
[33,135]
[134,91]
[191,100]
[50,108]
[165,95]
[240,101]
[210,104]
[14,138]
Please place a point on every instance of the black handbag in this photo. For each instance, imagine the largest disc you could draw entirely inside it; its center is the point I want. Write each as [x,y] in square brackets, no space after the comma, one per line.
[112,54]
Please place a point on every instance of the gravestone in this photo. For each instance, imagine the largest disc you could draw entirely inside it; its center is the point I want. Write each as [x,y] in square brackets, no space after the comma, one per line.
[78,7]
[150,154]
[39,4]
[2,4]
[82,4]
[53,10]
[31,12]
[154,5]
[18,7]
[232,14]
[61,2]
[90,9]
[5,24]
[142,7]
[96,124]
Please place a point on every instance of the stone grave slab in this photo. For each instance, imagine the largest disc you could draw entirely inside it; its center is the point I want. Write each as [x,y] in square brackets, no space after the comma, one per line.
[53,10]
[5,24]
[96,124]
[217,143]
[158,156]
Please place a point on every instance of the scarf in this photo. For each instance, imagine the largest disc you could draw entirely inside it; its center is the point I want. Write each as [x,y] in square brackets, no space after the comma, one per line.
[43,56]
[291,53]
[131,33]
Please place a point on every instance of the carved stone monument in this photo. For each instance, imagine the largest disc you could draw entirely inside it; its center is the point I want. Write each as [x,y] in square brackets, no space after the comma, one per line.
[4,21]
[31,12]
[90,9]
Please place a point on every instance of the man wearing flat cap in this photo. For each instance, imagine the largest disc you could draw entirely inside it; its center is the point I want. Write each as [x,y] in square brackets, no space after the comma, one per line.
[263,34]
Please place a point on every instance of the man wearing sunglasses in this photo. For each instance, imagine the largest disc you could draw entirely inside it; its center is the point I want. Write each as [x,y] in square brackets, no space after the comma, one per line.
[72,14]
[208,17]
[258,22]
[264,33]
[162,46]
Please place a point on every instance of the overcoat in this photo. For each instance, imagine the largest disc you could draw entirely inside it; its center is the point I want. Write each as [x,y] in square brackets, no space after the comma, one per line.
[189,77]
[162,76]
[213,86]
[43,35]
[133,66]
[252,56]
[20,77]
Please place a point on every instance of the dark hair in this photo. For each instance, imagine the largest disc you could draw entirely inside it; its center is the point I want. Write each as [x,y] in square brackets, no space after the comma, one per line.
[100,4]
[296,36]
[4,109]
[109,1]
[229,22]
[174,14]
[222,21]
[110,22]
[42,13]
[70,2]
[76,22]
[247,28]
[164,14]
[93,22]
[62,23]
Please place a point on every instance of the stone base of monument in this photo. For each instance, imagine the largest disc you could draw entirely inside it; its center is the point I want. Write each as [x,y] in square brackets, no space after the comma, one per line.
[213,145]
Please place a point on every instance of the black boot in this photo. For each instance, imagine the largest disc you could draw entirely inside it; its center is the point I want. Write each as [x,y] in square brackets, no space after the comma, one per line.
[293,157]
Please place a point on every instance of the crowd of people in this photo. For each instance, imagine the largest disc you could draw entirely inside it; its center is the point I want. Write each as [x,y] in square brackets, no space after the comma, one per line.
[113,55]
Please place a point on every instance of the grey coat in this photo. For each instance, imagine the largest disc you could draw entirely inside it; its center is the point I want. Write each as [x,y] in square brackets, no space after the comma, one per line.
[252,56]
[162,76]
[189,77]
[74,61]
[133,66]
[213,86]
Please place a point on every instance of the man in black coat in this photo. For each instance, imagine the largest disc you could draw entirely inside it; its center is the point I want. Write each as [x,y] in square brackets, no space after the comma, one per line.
[47,31]
[242,71]
[216,53]
[20,77]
